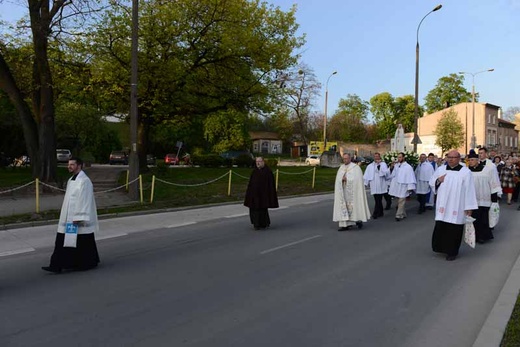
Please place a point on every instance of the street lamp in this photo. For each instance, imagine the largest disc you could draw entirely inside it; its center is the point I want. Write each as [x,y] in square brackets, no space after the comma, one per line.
[416,139]
[473,74]
[325,116]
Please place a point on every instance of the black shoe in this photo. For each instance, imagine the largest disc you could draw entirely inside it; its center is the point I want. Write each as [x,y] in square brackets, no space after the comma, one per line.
[388,207]
[398,219]
[359,225]
[429,208]
[480,241]
[451,257]
[51,269]
[420,211]
[345,228]
[374,217]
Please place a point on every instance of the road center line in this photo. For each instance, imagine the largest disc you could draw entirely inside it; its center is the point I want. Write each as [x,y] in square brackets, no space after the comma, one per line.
[311,202]
[289,244]
[18,251]
[104,237]
[181,224]
[237,215]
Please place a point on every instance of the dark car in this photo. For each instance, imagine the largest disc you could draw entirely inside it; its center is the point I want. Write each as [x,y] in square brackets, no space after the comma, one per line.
[239,157]
[150,159]
[118,157]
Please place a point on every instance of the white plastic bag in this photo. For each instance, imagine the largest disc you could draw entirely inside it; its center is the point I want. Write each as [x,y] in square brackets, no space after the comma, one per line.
[494,214]
[469,231]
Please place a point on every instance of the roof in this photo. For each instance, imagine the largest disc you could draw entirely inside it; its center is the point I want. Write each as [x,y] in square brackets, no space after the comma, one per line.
[263,135]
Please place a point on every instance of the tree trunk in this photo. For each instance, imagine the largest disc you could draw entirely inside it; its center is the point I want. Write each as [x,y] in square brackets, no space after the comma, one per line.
[29,126]
[44,100]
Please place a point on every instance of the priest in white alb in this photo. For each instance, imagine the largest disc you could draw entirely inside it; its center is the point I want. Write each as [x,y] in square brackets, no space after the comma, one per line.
[75,245]
[402,184]
[456,199]
[350,198]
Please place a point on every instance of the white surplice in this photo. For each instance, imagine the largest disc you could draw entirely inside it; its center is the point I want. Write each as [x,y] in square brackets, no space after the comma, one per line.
[455,195]
[423,172]
[350,198]
[485,185]
[402,180]
[375,177]
[79,205]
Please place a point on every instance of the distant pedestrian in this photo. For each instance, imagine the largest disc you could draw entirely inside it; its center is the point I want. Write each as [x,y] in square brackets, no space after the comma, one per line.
[375,178]
[456,198]
[261,195]
[402,184]
[75,245]
[350,198]
[507,175]
[430,197]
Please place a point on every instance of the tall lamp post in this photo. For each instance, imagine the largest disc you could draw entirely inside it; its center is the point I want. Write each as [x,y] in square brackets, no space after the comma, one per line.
[473,74]
[416,139]
[325,115]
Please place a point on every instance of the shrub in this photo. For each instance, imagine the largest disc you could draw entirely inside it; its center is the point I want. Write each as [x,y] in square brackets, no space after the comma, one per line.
[244,160]
[209,160]
[271,162]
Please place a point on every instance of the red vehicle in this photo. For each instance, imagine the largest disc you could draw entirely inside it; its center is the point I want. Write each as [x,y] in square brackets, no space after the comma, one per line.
[171,159]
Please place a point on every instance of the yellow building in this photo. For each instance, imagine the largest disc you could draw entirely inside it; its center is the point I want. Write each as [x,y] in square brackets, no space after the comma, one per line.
[490,130]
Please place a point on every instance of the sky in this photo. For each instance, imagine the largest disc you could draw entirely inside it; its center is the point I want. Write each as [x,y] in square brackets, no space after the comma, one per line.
[371,45]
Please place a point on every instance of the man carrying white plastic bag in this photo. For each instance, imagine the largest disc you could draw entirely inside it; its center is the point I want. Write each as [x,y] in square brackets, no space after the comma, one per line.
[75,245]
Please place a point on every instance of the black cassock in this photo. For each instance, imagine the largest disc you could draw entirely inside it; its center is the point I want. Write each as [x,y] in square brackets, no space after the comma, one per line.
[261,195]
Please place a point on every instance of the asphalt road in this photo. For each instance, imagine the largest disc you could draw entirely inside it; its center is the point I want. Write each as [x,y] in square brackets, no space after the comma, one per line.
[301,283]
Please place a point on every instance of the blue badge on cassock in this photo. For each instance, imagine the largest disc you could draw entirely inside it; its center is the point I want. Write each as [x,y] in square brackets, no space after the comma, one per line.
[71,228]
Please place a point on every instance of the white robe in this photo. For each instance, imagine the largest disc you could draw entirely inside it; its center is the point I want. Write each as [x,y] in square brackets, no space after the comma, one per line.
[376,178]
[485,185]
[403,180]
[455,195]
[423,173]
[431,202]
[79,205]
[350,199]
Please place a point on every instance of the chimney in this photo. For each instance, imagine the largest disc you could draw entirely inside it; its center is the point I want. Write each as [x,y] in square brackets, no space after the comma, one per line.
[500,113]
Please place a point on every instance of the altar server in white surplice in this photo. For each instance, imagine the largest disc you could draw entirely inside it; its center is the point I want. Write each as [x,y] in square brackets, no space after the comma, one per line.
[350,198]
[430,197]
[375,178]
[456,198]
[75,246]
[423,173]
[402,184]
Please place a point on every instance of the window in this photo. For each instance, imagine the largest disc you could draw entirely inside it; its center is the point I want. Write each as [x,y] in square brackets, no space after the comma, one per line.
[489,119]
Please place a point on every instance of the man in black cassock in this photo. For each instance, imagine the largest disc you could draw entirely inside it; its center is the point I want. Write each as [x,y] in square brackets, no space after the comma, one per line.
[261,195]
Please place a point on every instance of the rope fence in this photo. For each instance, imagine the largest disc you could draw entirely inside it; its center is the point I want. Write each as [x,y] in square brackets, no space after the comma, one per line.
[152,185]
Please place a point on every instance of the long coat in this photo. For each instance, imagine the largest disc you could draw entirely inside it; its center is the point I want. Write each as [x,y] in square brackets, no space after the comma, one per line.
[261,189]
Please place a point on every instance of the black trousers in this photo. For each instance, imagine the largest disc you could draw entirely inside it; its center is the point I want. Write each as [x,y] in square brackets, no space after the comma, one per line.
[422,202]
[378,208]
[388,200]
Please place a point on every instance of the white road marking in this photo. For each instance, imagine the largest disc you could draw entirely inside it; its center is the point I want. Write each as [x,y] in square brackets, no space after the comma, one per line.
[18,251]
[289,244]
[237,215]
[181,224]
[110,236]
[311,202]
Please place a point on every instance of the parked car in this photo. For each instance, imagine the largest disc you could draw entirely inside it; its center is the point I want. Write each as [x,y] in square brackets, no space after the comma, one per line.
[118,157]
[63,155]
[312,160]
[239,157]
[171,159]
[150,159]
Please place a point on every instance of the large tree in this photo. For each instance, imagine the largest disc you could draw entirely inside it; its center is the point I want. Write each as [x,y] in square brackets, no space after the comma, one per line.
[198,60]
[511,112]
[448,91]
[46,20]
[348,122]
[449,131]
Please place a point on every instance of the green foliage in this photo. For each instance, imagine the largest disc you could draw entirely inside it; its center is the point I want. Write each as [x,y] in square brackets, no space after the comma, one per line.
[271,162]
[448,91]
[449,131]
[244,160]
[349,121]
[226,130]
[389,111]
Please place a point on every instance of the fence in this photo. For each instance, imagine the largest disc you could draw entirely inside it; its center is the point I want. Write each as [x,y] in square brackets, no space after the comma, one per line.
[154,183]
